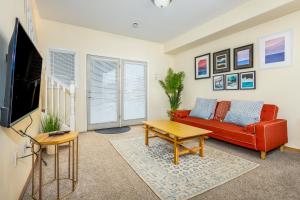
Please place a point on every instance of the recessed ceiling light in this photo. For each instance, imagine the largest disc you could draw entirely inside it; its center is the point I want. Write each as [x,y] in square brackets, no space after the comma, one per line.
[162,3]
[135,25]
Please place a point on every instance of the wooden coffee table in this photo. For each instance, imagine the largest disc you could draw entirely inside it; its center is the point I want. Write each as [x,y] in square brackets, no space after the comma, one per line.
[176,133]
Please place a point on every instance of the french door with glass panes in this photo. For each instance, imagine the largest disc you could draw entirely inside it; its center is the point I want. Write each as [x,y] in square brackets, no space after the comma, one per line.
[116,92]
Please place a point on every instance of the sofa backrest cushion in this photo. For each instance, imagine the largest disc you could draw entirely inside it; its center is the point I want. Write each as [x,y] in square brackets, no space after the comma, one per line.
[221,110]
[269,112]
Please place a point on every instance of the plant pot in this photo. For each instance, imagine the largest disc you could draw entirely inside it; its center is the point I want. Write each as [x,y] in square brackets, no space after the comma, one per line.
[171,114]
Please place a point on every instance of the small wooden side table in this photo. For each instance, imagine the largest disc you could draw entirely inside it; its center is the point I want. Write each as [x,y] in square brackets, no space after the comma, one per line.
[45,140]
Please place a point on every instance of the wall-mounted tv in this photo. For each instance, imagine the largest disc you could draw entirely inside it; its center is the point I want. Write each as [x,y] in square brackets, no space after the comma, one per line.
[23,78]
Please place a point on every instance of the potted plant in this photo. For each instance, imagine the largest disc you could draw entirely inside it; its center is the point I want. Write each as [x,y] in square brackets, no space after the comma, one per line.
[173,86]
[50,123]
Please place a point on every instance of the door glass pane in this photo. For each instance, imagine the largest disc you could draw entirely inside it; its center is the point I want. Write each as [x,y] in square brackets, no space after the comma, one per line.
[134,94]
[104,90]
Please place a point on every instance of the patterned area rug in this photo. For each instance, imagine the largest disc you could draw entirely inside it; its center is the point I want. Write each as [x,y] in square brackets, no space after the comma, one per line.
[193,176]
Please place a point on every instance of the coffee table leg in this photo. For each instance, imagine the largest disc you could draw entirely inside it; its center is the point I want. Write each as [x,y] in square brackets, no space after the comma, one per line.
[176,152]
[147,135]
[201,146]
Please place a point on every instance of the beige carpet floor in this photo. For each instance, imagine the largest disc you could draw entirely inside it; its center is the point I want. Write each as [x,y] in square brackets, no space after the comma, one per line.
[104,174]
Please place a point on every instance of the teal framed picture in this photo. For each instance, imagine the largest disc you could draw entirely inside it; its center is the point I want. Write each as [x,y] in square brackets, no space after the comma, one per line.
[248,80]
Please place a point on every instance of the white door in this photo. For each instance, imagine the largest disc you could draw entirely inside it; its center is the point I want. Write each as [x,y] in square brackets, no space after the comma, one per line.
[134,92]
[116,92]
[103,92]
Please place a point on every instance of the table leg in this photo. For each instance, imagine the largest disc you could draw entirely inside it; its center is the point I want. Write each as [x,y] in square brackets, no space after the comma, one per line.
[147,135]
[41,173]
[32,178]
[55,159]
[57,147]
[77,159]
[201,145]
[73,163]
[176,152]
[69,160]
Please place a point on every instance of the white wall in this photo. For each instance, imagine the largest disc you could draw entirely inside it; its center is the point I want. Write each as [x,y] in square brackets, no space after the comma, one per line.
[276,86]
[12,178]
[86,41]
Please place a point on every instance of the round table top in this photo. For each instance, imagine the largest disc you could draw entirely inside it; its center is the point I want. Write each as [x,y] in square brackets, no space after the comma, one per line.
[44,139]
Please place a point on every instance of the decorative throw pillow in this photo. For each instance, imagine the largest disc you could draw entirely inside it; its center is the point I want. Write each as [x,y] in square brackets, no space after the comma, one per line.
[249,108]
[221,110]
[204,108]
[239,119]
[244,113]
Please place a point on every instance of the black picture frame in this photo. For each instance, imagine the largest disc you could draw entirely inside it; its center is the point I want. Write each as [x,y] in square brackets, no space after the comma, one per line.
[220,66]
[208,68]
[222,82]
[250,63]
[237,81]
[242,76]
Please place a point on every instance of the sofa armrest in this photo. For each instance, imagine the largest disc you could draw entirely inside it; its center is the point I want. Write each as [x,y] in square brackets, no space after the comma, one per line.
[271,134]
[181,113]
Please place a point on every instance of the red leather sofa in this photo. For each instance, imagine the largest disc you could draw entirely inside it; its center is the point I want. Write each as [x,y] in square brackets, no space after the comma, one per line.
[268,134]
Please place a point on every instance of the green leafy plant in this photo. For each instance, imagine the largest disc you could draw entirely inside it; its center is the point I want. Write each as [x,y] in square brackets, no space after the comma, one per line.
[50,123]
[173,86]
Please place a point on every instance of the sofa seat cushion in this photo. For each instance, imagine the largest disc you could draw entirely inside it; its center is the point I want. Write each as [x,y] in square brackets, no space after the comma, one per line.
[226,130]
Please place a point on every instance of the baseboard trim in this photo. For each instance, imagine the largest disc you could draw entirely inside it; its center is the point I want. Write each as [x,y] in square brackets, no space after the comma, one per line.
[27,181]
[291,149]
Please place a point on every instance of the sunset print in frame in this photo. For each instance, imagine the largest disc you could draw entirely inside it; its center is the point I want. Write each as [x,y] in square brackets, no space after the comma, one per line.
[243,57]
[202,66]
[276,50]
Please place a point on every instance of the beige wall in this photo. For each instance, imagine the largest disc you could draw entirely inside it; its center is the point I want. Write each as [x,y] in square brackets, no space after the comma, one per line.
[276,86]
[12,178]
[85,41]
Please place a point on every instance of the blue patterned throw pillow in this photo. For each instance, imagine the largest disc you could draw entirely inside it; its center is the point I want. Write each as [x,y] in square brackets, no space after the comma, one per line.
[204,108]
[244,113]
[239,119]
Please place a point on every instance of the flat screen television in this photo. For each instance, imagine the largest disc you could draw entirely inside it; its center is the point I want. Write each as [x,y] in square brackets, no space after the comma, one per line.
[23,78]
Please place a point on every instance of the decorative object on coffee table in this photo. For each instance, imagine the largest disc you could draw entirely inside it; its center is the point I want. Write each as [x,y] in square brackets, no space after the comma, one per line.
[243,57]
[173,86]
[247,80]
[202,66]
[221,61]
[276,50]
[232,81]
[218,82]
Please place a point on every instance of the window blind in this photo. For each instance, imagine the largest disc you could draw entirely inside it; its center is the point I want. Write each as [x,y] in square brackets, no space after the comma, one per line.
[62,66]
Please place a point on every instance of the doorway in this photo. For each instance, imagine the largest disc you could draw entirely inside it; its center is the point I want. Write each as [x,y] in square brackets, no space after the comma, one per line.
[116,92]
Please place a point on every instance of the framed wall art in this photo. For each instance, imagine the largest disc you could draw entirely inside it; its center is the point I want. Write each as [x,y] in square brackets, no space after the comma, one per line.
[221,61]
[202,66]
[247,80]
[232,81]
[243,57]
[276,50]
[218,82]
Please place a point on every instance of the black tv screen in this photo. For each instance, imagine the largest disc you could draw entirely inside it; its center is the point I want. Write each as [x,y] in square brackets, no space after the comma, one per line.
[23,78]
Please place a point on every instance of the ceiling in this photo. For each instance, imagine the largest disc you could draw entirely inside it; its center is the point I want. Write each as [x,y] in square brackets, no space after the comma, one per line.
[117,16]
